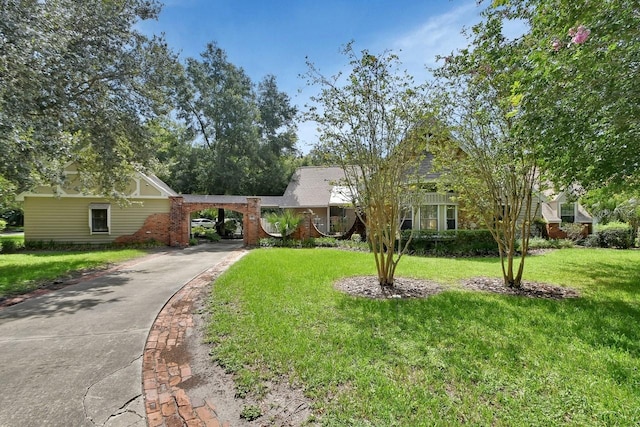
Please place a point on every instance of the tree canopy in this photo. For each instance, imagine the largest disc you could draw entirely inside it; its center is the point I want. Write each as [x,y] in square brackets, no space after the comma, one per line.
[79,83]
[244,135]
[580,89]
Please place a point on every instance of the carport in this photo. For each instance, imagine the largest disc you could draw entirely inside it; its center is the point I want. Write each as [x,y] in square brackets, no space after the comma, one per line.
[182,206]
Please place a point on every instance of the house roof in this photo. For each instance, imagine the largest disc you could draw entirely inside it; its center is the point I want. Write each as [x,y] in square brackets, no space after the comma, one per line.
[159,184]
[425,169]
[311,186]
[148,186]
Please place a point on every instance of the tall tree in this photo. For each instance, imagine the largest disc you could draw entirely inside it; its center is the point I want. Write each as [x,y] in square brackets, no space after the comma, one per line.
[244,137]
[581,92]
[218,103]
[366,119]
[490,161]
[277,128]
[79,83]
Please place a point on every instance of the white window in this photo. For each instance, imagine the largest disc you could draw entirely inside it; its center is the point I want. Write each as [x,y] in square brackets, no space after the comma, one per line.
[568,212]
[429,217]
[100,218]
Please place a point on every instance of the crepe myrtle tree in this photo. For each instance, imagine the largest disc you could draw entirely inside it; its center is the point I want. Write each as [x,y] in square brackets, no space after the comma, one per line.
[367,120]
[490,160]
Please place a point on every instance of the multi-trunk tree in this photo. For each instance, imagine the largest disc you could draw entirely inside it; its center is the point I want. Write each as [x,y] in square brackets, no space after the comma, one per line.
[366,120]
[489,160]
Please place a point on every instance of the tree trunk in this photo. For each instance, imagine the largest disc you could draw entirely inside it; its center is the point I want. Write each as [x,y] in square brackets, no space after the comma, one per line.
[220,222]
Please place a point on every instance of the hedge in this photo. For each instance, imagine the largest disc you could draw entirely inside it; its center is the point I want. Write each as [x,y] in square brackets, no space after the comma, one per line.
[451,242]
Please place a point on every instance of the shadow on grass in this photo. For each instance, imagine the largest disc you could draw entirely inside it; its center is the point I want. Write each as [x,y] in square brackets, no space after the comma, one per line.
[621,277]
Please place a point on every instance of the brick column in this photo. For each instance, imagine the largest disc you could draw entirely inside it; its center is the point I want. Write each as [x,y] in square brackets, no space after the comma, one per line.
[178,222]
[251,222]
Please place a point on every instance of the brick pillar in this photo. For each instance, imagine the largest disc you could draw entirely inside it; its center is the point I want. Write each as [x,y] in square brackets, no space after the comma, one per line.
[178,222]
[251,222]
[306,225]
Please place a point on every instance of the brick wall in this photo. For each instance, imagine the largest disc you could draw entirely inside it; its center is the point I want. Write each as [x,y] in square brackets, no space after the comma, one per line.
[155,228]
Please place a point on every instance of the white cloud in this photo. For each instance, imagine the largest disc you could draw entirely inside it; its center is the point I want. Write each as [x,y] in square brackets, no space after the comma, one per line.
[439,35]
[417,49]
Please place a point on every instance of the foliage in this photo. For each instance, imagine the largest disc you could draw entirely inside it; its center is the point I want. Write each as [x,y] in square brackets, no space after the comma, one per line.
[487,158]
[456,358]
[541,243]
[580,91]
[8,246]
[326,242]
[79,83]
[453,243]
[244,136]
[25,272]
[285,222]
[250,412]
[573,230]
[613,203]
[367,121]
[3,224]
[612,235]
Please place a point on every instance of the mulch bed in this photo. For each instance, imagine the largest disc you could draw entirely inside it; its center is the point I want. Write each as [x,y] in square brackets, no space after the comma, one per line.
[528,289]
[368,287]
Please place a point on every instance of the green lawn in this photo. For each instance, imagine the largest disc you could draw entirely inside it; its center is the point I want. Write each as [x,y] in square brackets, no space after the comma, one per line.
[17,239]
[459,357]
[24,272]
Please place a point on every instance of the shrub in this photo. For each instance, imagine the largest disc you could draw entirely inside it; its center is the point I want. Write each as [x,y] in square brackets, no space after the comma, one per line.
[8,246]
[540,243]
[573,230]
[326,242]
[612,235]
[356,237]
[193,242]
[615,238]
[451,242]
[3,224]
[211,235]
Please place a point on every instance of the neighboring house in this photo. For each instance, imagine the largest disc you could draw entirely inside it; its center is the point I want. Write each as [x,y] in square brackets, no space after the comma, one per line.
[64,214]
[558,209]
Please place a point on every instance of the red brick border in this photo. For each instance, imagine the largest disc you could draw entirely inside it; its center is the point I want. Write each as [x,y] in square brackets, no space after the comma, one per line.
[166,403]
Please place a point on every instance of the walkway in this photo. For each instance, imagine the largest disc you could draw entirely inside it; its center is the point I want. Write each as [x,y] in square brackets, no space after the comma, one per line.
[74,357]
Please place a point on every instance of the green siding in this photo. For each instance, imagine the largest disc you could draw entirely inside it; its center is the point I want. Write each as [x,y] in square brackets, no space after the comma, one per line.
[67,219]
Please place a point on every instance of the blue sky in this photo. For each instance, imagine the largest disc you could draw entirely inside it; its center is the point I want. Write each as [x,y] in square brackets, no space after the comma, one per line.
[275,36]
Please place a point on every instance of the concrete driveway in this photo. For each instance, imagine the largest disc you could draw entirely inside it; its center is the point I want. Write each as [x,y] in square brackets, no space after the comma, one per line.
[73,357]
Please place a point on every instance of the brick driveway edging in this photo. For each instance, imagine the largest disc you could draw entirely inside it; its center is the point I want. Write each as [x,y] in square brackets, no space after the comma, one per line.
[166,403]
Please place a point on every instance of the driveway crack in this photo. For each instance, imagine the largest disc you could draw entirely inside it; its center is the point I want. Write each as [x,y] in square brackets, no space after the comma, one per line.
[107,390]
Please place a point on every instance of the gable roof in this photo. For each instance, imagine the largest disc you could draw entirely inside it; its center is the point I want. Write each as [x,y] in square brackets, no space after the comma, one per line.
[143,186]
[311,186]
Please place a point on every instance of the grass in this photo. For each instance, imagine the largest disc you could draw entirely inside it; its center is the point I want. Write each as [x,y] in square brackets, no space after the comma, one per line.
[23,272]
[456,358]
[17,239]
